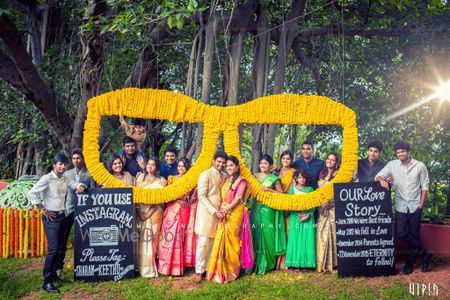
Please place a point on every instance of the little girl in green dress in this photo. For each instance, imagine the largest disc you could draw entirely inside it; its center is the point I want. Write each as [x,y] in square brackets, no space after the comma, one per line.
[301,246]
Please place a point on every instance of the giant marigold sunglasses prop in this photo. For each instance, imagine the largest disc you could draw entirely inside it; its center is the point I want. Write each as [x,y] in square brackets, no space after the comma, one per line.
[176,107]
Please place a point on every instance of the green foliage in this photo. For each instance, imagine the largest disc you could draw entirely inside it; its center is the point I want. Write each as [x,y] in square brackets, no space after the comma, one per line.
[137,18]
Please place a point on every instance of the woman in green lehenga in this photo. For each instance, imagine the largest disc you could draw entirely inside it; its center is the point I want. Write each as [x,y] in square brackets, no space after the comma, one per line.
[268,228]
[301,246]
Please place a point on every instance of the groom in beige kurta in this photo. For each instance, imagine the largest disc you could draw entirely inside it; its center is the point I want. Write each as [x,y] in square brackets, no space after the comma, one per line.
[208,213]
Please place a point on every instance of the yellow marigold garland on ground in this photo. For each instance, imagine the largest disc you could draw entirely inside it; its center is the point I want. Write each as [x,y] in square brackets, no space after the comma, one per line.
[176,107]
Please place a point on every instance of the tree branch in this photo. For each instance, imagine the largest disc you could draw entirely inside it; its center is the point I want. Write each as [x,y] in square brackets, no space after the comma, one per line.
[37,91]
[10,74]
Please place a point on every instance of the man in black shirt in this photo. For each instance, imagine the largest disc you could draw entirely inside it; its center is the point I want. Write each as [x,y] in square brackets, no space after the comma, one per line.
[369,167]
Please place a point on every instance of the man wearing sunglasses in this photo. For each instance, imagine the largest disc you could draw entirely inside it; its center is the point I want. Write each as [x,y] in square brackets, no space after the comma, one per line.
[208,213]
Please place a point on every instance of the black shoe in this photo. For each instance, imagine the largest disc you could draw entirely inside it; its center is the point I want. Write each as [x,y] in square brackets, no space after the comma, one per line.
[426,262]
[60,280]
[50,288]
[408,269]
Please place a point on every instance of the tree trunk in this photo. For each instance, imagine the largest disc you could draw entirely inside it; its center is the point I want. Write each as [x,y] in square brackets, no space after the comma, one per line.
[44,27]
[260,75]
[27,160]
[189,90]
[287,34]
[208,64]
[91,69]
[39,156]
[19,159]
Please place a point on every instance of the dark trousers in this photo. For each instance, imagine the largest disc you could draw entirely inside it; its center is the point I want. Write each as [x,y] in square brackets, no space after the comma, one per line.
[66,227]
[408,229]
[54,232]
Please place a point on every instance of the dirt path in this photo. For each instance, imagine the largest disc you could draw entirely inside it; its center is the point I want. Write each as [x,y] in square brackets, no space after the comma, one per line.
[439,275]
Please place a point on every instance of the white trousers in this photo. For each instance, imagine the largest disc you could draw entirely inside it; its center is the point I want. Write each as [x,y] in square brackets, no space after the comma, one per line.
[204,248]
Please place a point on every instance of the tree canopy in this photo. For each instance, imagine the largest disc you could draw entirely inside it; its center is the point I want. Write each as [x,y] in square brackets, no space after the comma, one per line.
[377,57]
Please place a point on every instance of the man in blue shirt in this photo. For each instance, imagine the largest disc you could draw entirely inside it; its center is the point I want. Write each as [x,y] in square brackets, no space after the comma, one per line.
[169,167]
[308,162]
[131,163]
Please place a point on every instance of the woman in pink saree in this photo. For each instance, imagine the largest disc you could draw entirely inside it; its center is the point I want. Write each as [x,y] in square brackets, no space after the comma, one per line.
[174,227]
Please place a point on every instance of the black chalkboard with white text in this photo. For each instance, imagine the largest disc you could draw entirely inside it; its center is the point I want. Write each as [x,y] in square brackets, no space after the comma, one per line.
[365,244]
[104,231]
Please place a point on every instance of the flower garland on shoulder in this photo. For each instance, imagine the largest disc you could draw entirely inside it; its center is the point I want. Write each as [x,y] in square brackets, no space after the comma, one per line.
[176,107]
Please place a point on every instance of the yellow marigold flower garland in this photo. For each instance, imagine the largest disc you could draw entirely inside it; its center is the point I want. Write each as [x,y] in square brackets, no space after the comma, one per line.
[20,233]
[27,225]
[8,216]
[42,241]
[176,107]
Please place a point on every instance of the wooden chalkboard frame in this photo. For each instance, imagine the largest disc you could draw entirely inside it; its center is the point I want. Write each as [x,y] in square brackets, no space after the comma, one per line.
[105,235]
[364,230]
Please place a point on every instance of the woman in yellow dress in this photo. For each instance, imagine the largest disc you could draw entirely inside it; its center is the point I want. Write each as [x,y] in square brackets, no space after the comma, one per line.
[286,175]
[224,264]
[326,226]
[151,217]
[114,166]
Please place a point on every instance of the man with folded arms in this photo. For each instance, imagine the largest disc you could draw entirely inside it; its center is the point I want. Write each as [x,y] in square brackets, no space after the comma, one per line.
[52,188]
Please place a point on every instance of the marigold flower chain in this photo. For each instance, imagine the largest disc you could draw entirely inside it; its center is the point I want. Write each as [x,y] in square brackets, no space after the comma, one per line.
[176,107]
[16,227]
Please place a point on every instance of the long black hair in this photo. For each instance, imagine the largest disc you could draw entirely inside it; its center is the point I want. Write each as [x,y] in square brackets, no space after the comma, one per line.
[285,152]
[305,174]
[186,162]
[235,161]
[157,165]
[324,172]
[267,158]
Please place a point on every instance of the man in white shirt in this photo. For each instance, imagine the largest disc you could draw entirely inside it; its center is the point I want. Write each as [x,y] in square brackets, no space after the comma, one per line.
[53,187]
[410,180]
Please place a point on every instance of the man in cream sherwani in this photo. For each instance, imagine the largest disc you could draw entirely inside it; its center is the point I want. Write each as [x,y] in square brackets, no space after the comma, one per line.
[208,213]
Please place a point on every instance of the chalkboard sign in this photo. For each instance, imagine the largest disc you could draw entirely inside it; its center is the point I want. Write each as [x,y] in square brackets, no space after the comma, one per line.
[365,244]
[104,234]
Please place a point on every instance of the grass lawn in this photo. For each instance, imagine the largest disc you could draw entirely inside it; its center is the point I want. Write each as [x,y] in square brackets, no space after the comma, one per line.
[21,278]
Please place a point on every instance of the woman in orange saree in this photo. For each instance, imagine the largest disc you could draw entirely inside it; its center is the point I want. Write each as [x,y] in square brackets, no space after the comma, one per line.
[176,218]
[224,264]
[286,175]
